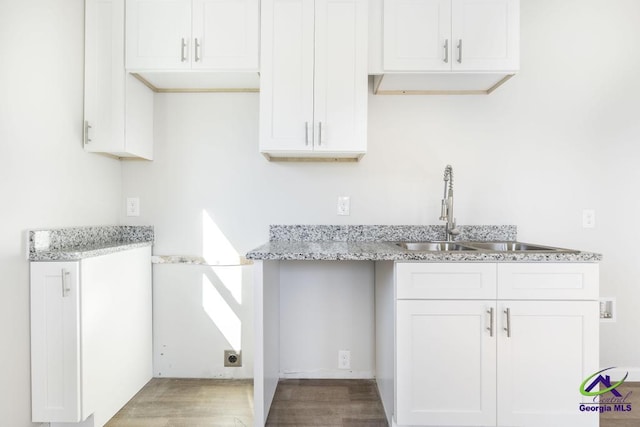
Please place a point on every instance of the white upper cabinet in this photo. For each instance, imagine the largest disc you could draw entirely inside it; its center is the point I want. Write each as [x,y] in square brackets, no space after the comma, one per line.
[194,45]
[445,46]
[440,35]
[192,34]
[118,109]
[417,35]
[158,34]
[313,100]
[225,34]
[485,35]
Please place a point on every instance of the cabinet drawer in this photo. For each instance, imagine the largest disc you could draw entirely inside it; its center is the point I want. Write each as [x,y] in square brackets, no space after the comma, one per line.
[445,281]
[566,281]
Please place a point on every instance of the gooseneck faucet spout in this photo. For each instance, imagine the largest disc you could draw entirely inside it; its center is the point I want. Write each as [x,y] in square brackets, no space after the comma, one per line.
[446,213]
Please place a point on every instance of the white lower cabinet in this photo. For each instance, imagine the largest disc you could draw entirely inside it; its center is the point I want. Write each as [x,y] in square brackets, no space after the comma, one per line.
[90,336]
[492,361]
[552,348]
[446,363]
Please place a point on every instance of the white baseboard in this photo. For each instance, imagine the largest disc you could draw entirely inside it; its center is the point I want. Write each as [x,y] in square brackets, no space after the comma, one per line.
[329,375]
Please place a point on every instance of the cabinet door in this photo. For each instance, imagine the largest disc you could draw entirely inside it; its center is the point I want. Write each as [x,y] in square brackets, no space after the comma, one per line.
[118,108]
[158,34]
[445,363]
[341,80]
[552,348]
[104,95]
[485,35]
[55,342]
[225,34]
[286,81]
[417,35]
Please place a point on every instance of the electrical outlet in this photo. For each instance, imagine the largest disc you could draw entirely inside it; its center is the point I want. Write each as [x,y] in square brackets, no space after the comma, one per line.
[232,358]
[133,206]
[344,205]
[588,218]
[344,359]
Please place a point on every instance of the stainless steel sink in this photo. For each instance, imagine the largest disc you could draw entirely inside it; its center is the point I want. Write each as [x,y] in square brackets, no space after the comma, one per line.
[478,246]
[434,246]
[514,247]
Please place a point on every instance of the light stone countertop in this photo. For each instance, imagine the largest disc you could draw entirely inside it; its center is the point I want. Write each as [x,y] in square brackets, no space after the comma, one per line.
[296,243]
[76,243]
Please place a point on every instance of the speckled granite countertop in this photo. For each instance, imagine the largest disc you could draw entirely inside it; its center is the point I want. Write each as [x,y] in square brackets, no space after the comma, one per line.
[375,243]
[72,244]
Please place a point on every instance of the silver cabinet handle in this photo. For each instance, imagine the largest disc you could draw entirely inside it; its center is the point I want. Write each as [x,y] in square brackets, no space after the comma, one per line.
[490,327]
[88,134]
[460,51]
[319,133]
[508,327]
[183,50]
[306,133]
[446,51]
[66,286]
[197,50]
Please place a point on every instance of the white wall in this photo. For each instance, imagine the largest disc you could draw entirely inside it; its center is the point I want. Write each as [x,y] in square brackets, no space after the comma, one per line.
[560,137]
[46,179]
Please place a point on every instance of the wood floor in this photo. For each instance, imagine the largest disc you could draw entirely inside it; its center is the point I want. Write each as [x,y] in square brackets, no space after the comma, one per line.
[336,403]
[330,403]
[166,402]
[624,419]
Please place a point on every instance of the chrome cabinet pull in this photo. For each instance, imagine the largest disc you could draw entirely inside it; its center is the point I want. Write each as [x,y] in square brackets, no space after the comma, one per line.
[490,327]
[88,133]
[508,327]
[319,133]
[460,51]
[446,51]
[197,50]
[183,50]
[66,286]
[306,133]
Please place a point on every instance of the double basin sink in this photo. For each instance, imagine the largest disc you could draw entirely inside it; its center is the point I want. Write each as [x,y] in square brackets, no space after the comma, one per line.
[509,246]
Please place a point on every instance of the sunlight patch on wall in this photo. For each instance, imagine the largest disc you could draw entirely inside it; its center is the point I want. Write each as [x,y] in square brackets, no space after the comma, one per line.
[218,250]
[221,314]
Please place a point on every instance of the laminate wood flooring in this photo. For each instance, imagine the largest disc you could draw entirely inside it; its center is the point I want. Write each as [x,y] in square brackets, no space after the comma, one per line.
[167,402]
[328,403]
[624,419]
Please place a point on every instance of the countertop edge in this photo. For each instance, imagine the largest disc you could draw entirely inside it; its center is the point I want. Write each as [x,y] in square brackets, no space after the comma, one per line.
[385,251]
[77,255]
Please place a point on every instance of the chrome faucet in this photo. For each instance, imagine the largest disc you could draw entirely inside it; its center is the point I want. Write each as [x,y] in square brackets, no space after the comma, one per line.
[446,214]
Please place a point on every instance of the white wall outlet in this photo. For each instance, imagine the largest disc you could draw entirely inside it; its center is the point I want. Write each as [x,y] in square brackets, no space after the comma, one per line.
[588,218]
[344,359]
[133,206]
[344,205]
[607,309]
